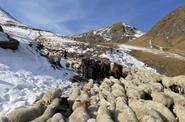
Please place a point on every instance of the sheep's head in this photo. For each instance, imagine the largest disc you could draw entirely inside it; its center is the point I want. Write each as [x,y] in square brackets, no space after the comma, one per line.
[81,104]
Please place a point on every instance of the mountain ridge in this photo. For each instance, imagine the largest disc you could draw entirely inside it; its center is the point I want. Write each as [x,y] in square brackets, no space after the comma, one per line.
[115,32]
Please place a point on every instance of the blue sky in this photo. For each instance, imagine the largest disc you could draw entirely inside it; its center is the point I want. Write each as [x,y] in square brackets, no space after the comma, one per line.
[76,16]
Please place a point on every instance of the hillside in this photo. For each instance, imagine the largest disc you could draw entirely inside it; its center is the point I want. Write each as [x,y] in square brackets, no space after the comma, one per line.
[167,34]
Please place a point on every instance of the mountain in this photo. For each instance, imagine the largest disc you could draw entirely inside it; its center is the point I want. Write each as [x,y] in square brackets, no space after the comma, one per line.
[116,32]
[167,34]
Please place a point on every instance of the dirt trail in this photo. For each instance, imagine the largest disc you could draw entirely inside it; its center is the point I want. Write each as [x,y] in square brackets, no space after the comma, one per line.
[153,51]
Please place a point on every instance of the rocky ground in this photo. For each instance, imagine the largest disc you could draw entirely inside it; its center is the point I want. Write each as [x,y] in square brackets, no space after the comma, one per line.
[141,96]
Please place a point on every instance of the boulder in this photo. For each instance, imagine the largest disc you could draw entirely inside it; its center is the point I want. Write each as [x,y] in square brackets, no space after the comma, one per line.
[7,42]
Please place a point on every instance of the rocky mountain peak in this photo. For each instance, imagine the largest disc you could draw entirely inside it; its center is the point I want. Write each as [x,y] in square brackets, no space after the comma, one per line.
[115,32]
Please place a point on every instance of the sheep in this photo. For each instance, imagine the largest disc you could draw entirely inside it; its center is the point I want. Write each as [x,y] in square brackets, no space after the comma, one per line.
[162,98]
[143,111]
[108,81]
[103,114]
[26,114]
[92,110]
[118,90]
[58,117]
[94,100]
[91,120]
[89,85]
[175,81]
[105,86]
[84,96]
[180,112]
[50,111]
[129,77]
[50,95]
[164,111]
[135,93]
[114,80]
[177,98]
[149,118]
[80,113]
[95,89]
[149,88]
[73,96]
[118,86]
[110,98]
[93,107]
[123,112]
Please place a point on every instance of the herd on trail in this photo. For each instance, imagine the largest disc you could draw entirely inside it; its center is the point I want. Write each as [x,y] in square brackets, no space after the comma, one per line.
[141,96]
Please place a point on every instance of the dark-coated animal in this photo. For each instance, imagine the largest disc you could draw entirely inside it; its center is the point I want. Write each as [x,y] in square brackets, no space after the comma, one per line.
[116,70]
[92,69]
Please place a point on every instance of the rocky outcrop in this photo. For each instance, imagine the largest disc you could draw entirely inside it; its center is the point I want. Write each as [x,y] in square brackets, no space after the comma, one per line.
[116,32]
[7,42]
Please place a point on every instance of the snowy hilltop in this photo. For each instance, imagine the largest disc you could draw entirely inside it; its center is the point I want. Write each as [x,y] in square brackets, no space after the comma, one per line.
[118,32]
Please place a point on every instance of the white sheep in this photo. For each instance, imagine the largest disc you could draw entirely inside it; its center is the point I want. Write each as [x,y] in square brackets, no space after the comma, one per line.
[162,98]
[58,117]
[91,120]
[84,96]
[110,98]
[51,94]
[26,114]
[143,112]
[74,95]
[123,112]
[135,93]
[118,90]
[49,112]
[89,85]
[177,98]
[164,111]
[105,86]
[80,113]
[95,89]
[114,80]
[103,114]
[179,110]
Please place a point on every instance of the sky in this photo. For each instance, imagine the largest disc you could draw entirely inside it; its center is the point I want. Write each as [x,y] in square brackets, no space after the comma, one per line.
[69,17]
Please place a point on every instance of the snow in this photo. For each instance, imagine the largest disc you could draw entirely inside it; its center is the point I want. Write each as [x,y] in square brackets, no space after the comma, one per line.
[3,37]
[122,57]
[139,33]
[24,75]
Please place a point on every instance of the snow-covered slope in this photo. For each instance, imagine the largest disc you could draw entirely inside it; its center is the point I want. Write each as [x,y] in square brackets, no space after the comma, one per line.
[5,17]
[24,75]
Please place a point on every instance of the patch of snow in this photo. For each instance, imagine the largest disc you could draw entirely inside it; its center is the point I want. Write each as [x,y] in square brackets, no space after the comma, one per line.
[3,37]
[139,33]
[123,58]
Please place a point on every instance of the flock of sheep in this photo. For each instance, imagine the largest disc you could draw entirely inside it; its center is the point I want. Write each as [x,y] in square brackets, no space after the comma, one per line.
[142,96]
